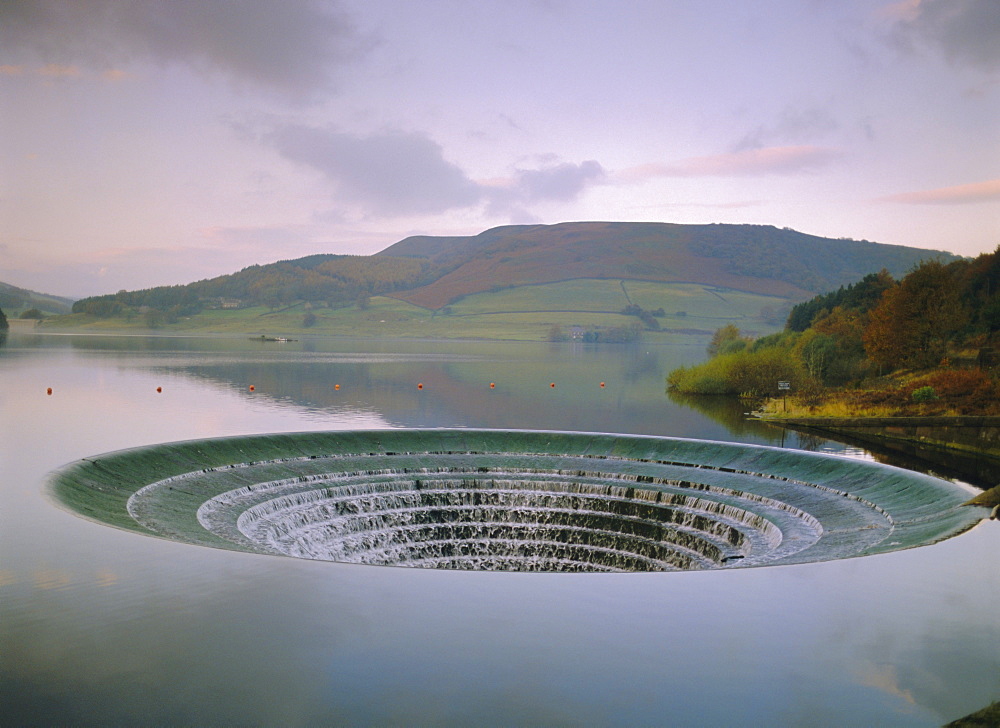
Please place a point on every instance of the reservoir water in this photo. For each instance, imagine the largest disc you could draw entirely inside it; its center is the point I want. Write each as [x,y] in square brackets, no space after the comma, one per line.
[102,626]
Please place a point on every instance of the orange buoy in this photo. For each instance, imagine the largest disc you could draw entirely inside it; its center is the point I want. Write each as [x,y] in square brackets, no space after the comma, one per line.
[48,391]
[493,385]
[159,389]
[602,385]
[336,386]
[553,385]
[420,385]
[252,388]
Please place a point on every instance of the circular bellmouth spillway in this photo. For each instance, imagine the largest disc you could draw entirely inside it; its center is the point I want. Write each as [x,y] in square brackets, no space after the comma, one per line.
[510,500]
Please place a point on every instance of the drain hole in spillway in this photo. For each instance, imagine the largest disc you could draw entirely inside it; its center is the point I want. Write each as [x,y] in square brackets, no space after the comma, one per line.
[509,525]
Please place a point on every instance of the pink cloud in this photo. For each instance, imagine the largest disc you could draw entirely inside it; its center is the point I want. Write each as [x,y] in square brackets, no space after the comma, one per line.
[115,74]
[737,205]
[58,70]
[906,10]
[958,195]
[745,163]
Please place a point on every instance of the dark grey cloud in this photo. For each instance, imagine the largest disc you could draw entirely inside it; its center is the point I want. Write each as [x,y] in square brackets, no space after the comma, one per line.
[402,173]
[968,31]
[391,172]
[294,48]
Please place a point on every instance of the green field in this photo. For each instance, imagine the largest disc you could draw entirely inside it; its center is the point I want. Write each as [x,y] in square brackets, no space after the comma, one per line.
[525,313]
[591,302]
[576,295]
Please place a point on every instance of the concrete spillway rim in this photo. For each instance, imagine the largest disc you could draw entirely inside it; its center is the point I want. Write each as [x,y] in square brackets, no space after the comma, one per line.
[728,450]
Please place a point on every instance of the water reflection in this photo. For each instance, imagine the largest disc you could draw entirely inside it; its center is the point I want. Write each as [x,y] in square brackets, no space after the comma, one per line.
[100,626]
[732,412]
[381,377]
[972,468]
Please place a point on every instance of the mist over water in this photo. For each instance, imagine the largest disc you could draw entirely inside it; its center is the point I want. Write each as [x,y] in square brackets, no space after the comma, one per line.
[101,626]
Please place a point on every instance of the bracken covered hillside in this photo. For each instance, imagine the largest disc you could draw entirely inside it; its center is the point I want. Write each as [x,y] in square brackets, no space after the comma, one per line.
[753,258]
[433,272]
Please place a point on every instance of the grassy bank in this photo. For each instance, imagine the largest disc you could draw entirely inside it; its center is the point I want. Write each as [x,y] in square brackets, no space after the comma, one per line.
[522,313]
[942,392]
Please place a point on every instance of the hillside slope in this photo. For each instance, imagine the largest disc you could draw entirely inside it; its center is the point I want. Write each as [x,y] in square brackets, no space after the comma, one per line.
[434,273]
[14,300]
[321,278]
[753,258]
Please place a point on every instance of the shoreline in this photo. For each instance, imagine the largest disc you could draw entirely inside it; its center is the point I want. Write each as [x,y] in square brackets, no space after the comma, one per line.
[320,336]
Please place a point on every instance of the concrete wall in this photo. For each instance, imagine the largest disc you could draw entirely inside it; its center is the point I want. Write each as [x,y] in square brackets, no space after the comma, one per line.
[977,435]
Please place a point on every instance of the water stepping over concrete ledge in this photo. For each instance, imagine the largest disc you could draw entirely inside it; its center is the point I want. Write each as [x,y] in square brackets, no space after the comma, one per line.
[515,500]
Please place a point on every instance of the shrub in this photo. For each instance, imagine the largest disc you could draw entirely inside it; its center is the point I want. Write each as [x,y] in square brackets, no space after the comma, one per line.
[782,339]
[556,333]
[964,390]
[727,333]
[959,382]
[740,373]
[732,346]
[924,394]
[708,378]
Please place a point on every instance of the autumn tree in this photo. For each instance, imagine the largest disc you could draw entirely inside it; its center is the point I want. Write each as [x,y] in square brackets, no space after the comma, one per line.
[844,327]
[861,297]
[914,321]
[726,340]
[816,351]
[980,284]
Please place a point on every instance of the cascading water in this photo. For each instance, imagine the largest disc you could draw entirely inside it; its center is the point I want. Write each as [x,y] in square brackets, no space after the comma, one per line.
[526,524]
[515,500]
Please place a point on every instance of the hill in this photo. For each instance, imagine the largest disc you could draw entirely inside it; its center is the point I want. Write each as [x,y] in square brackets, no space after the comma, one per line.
[14,301]
[582,279]
[331,280]
[752,258]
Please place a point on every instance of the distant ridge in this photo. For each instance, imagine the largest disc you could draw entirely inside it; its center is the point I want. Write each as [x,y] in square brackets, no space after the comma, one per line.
[433,272]
[753,258]
[14,300]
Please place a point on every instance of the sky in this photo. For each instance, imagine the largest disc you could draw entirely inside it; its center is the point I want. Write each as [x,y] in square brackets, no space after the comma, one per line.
[159,142]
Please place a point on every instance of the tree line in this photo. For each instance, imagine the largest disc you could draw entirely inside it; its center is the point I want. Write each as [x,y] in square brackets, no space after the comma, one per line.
[937,315]
[647,317]
[333,280]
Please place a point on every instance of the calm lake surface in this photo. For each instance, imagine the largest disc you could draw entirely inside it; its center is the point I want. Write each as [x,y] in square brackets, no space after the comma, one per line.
[99,626]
